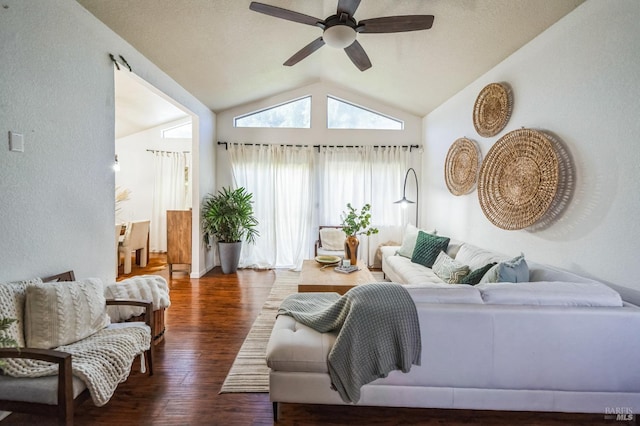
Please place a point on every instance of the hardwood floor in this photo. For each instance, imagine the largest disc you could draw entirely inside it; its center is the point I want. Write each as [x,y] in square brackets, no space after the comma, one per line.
[206,325]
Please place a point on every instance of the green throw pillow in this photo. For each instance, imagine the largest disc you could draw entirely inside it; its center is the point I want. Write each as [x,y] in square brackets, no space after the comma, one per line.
[427,248]
[476,275]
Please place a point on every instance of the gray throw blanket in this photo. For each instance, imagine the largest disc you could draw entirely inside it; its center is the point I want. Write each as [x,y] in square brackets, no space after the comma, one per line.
[378,332]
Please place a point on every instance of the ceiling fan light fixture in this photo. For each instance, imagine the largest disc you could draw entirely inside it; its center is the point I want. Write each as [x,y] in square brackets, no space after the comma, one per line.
[339,36]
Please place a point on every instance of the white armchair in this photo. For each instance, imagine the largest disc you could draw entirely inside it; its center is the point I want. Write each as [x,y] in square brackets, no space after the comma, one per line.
[135,239]
[330,241]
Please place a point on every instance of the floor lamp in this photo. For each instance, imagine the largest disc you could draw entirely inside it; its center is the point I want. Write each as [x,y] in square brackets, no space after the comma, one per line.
[404,202]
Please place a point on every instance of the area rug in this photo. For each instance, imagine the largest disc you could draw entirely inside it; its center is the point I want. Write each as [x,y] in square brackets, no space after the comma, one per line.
[249,372]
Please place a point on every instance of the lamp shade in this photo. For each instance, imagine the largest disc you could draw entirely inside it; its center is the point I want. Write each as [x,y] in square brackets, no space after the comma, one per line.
[339,36]
[404,201]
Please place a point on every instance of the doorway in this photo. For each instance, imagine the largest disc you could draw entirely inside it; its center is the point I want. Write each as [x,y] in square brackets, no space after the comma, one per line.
[154,140]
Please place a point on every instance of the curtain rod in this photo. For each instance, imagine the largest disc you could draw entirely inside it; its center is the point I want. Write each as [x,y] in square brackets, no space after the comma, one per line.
[409,147]
[169,152]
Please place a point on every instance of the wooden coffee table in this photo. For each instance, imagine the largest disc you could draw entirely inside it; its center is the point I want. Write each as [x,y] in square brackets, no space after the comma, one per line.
[314,278]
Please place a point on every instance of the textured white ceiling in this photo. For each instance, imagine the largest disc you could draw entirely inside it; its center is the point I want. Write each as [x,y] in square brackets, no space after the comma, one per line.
[140,108]
[227,55]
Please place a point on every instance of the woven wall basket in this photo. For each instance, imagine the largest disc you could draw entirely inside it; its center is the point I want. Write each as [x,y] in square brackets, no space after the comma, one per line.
[492,109]
[461,166]
[518,179]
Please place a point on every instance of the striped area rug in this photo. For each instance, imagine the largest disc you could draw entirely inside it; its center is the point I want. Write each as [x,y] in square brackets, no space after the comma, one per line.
[249,372]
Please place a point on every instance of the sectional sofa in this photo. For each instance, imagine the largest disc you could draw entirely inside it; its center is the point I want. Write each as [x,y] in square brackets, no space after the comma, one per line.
[558,343]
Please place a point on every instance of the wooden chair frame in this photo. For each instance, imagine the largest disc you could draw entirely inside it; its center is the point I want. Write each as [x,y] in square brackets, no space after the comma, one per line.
[64,410]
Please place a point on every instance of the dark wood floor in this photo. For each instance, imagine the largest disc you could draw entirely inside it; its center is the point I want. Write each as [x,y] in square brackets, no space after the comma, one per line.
[206,325]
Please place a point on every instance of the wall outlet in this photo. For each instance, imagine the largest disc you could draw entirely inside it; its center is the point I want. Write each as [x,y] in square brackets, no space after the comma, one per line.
[16,142]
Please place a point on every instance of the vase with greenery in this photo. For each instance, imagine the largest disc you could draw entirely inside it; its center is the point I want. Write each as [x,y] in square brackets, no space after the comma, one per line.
[228,218]
[356,223]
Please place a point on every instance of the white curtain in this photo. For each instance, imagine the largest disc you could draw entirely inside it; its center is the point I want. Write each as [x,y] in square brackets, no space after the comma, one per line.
[359,176]
[171,191]
[343,177]
[281,181]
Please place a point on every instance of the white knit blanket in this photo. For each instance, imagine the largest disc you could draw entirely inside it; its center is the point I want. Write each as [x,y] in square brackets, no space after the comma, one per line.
[102,360]
[146,287]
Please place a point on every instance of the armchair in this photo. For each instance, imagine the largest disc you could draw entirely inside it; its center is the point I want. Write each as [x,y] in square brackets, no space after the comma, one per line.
[58,394]
[330,241]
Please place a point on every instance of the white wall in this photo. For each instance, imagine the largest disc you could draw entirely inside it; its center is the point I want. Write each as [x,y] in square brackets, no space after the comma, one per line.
[318,134]
[57,203]
[578,80]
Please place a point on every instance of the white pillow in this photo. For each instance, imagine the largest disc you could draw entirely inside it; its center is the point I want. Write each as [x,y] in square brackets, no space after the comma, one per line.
[448,270]
[549,293]
[332,238]
[57,314]
[12,299]
[409,240]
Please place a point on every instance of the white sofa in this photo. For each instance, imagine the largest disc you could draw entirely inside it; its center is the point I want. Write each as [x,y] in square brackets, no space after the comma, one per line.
[561,343]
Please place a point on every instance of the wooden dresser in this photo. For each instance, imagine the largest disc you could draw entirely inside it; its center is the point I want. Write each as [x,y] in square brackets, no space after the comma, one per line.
[178,238]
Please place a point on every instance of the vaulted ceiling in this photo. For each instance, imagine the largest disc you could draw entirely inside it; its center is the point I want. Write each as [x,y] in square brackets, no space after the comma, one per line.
[227,55]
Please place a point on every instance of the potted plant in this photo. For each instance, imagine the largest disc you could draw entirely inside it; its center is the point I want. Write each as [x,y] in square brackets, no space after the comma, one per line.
[355,223]
[228,217]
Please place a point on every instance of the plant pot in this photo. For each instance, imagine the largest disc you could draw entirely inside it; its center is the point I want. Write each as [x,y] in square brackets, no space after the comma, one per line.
[351,249]
[229,256]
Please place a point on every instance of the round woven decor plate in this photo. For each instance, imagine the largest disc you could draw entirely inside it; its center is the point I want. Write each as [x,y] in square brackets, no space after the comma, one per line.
[461,166]
[518,179]
[492,109]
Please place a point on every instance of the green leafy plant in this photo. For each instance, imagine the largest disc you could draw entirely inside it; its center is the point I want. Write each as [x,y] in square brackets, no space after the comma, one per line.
[228,216]
[6,341]
[357,223]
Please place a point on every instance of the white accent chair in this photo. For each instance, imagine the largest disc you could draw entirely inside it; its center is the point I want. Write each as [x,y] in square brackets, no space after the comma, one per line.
[330,241]
[135,239]
[59,394]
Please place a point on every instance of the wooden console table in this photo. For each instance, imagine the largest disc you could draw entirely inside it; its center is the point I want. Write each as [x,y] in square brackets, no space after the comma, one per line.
[178,239]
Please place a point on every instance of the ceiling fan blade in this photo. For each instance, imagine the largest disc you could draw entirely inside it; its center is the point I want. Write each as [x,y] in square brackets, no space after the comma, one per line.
[358,56]
[348,6]
[289,15]
[305,51]
[395,24]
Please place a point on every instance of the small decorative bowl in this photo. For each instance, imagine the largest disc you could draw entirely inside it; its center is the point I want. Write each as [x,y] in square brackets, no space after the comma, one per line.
[327,260]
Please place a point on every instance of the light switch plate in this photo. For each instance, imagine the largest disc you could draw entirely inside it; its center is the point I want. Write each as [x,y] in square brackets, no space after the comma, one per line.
[16,142]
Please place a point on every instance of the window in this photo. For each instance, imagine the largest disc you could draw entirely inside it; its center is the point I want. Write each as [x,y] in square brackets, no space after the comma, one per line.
[293,114]
[345,115]
[181,131]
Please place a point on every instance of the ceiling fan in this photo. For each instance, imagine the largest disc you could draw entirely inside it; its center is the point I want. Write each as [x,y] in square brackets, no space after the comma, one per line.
[340,30]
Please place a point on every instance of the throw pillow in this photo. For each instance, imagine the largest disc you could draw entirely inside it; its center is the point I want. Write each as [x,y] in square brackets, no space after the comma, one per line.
[514,270]
[332,238]
[476,275]
[409,241]
[448,269]
[427,248]
[12,299]
[57,314]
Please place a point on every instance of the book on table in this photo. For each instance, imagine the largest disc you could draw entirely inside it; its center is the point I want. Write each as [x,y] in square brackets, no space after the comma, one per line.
[346,269]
